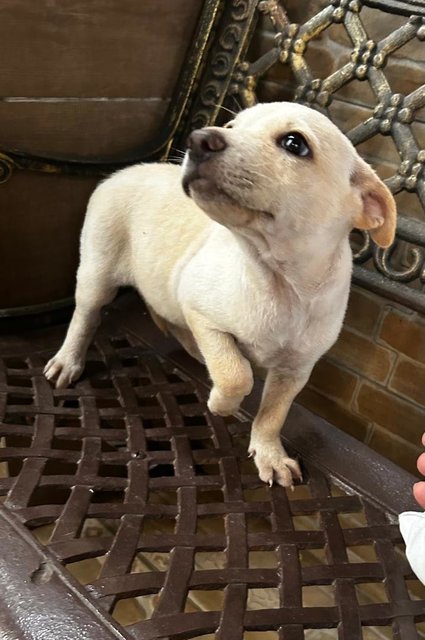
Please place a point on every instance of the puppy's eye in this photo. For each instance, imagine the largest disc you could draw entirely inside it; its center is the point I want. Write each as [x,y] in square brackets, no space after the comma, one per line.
[296,144]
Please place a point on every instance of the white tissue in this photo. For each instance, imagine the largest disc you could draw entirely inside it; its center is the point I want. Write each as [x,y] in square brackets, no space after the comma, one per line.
[412,527]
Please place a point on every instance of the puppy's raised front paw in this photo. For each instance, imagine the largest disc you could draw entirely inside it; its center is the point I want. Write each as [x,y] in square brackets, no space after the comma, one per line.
[221,405]
[63,369]
[273,463]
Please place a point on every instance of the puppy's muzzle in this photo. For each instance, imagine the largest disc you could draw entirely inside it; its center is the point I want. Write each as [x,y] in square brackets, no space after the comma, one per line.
[202,144]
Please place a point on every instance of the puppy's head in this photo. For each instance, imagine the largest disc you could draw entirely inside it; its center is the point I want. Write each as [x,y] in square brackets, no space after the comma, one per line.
[284,169]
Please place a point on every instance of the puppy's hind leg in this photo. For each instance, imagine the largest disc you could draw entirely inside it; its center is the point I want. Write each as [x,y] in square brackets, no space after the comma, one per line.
[92,293]
[184,336]
[186,339]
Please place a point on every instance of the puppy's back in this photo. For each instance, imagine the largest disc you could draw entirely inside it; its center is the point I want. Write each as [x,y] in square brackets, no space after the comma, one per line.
[141,225]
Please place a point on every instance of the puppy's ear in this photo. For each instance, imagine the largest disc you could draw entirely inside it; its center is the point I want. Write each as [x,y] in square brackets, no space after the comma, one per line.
[378,212]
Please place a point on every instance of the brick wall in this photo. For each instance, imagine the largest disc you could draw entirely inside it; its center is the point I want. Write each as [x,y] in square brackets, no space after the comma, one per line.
[372,383]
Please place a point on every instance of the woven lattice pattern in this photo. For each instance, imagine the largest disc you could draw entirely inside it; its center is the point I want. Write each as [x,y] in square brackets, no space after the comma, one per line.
[128,475]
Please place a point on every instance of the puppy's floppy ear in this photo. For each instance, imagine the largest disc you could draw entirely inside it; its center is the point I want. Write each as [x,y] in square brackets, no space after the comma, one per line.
[378,212]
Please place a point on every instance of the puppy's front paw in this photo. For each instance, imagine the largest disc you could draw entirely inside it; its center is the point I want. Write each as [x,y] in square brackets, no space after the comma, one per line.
[273,463]
[63,369]
[221,405]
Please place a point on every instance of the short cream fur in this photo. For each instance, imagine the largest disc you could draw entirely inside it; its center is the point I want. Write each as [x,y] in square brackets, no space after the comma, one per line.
[253,268]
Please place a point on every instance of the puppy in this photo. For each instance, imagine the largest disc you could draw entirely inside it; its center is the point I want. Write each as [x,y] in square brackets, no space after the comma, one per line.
[242,253]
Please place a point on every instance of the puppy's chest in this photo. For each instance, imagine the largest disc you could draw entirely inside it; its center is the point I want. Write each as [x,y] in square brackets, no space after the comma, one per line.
[270,349]
[290,336]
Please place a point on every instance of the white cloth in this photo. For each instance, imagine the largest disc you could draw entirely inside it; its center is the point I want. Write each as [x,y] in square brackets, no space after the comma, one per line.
[412,527]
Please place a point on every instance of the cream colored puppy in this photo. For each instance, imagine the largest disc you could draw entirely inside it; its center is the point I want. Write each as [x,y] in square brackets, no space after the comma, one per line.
[251,265]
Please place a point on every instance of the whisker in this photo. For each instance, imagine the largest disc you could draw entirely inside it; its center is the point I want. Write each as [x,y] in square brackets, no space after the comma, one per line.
[178,150]
[239,106]
[252,173]
[257,174]
[220,106]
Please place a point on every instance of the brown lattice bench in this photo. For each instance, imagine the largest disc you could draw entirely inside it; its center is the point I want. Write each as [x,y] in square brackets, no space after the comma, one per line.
[131,512]
[128,511]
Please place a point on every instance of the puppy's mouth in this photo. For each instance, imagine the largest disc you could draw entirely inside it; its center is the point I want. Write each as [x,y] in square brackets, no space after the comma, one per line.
[207,186]
[202,184]
[192,177]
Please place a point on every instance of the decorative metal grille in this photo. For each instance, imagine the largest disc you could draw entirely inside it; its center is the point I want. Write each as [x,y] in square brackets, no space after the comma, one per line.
[393,115]
[151,502]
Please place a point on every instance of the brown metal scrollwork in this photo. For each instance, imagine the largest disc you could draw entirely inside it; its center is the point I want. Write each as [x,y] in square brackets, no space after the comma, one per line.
[403,7]
[364,251]
[382,259]
[7,166]
[218,79]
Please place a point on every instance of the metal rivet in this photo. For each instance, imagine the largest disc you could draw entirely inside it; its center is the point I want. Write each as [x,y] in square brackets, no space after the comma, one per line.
[421,33]
[338,15]
[405,115]
[410,183]
[378,60]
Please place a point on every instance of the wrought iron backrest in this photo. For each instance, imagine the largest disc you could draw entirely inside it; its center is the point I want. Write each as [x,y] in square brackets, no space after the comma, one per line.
[219,66]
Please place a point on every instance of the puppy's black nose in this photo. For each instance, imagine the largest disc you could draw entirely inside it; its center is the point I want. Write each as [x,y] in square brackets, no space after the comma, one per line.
[202,143]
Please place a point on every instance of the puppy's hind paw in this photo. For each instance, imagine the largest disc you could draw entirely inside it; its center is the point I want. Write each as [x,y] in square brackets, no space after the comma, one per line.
[62,370]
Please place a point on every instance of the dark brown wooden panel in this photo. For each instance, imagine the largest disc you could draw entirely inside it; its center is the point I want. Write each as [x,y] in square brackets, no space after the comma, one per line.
[105,129]
[83,80]
[98,48]
[41,217]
